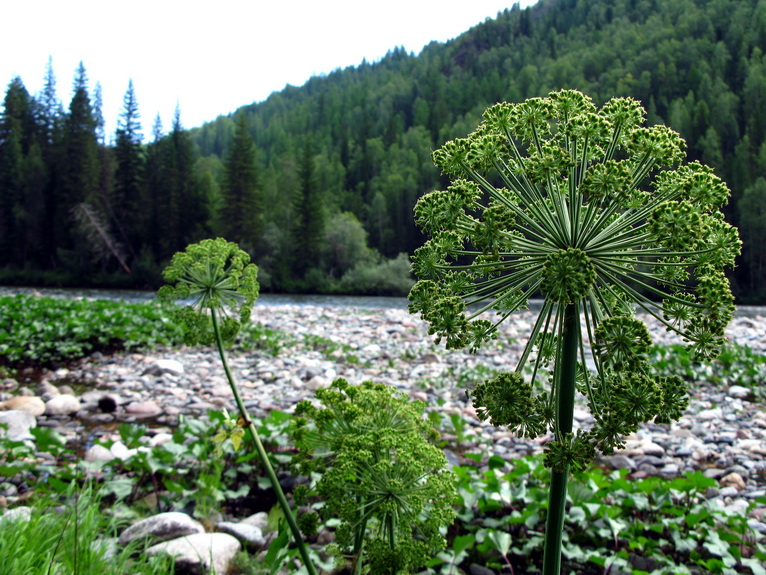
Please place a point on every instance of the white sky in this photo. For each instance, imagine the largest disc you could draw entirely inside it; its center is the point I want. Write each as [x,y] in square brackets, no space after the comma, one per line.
[212,57]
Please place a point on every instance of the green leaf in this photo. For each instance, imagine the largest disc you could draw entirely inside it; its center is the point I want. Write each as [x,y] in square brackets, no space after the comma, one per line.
[462,543]
[500,540]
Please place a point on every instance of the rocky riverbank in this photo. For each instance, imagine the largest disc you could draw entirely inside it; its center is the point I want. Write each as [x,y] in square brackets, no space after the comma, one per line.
[303,348]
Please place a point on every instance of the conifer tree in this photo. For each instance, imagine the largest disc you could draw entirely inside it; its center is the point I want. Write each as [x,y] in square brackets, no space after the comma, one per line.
[181,210]
[241,219]
[126,205]
[49,118]
[308,231]
[16,105]
[22,182]
[50,112]
[78,169]
[154,189]
[98,114]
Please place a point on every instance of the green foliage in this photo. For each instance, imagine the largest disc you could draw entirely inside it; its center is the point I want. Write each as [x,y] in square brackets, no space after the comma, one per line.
[655,524]
[643,525]
[386,277]
[214,275]
[735,365]
[44,330]
[380,476]
[70,540]
[241,208]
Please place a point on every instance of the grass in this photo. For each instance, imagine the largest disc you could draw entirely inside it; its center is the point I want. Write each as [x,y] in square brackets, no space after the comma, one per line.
[71,539]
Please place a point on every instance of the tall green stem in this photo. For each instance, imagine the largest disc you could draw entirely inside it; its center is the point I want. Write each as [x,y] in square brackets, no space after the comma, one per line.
[554,527]
[302,549]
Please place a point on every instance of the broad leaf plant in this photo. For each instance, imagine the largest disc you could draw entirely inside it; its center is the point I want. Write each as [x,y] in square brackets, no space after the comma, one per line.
[594,212]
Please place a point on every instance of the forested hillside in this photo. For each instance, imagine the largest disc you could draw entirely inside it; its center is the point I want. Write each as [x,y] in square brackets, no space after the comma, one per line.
[318,182]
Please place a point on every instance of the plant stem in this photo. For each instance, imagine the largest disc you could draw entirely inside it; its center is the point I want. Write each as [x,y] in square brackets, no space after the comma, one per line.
[302,549]
[554,526]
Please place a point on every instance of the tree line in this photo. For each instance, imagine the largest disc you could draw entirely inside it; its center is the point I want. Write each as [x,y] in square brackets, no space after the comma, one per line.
[318,182]
[75,210]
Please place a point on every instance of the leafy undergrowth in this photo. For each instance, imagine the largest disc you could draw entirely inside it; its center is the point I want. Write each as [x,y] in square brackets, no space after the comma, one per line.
[44,331]
[736,365]
[640,526]
[616,523]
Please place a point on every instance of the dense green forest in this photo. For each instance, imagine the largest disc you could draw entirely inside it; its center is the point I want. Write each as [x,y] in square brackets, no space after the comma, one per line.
[318,182]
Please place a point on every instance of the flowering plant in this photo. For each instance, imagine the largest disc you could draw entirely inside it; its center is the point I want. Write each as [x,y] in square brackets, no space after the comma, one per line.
[592,210]
[218,285]
[378,473]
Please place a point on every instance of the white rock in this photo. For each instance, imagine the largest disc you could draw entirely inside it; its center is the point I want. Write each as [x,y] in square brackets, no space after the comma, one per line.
[260,520]
[19,423]
[98,453]
[63,404]
[160,439]
[651,448]
[121,451]
[200,552]
[165,366]
[143,408]
[739,392]
[16,514]
[162,527]
[249,535]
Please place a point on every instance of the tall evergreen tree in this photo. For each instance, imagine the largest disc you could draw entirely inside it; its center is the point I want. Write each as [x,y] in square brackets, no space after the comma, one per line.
[50,112]
[22,181]
[309,220]
[79,169]
[98,114]
[240,215]
[12,120]
[180,204]
[126,207]
[49,119]
[154,190]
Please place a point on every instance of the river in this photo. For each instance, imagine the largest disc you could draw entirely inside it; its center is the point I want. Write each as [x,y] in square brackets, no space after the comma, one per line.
[269,299]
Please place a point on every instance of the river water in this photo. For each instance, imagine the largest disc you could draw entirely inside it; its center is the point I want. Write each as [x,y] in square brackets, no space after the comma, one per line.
[268,299]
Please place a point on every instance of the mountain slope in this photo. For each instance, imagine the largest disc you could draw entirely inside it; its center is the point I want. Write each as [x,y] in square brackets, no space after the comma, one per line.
[697,65]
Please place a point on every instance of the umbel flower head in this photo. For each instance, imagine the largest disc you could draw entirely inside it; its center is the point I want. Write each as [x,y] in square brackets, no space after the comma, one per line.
[593,211]
[212,276]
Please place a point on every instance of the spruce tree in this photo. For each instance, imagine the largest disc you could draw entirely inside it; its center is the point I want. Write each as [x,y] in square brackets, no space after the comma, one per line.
[240,215]
[154,190]
[49,119]
[79,168]
[126,205]
[308,231]
[16,104]
[181,209]
[22,181]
